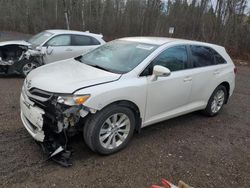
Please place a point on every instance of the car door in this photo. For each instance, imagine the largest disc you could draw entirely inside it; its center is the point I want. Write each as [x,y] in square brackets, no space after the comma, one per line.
[168,96]
[205,73]
[58,48]
[82,44]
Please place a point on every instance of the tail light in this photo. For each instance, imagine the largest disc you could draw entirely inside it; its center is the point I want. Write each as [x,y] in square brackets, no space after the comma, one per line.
[235,70]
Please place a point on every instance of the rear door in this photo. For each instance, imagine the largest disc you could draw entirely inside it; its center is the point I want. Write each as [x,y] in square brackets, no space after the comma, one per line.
[207,67]
[82,44]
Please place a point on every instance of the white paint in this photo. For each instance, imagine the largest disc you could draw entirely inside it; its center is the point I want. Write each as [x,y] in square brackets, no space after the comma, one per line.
[159,99]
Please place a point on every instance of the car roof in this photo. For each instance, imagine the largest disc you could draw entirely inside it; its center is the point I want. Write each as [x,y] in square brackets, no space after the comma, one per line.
[149,40]
[64,31]
[164,40]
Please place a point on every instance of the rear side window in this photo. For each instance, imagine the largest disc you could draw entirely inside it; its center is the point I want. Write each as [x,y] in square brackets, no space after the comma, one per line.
[202,56]
[174,58]
[95,41]
[81,40]
[218,58]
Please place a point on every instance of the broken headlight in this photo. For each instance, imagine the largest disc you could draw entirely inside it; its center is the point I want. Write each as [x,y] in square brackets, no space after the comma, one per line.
[72,100]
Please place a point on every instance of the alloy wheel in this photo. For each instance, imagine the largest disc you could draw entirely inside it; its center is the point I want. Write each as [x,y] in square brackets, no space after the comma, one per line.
[218,101]
[114,131]
[28,67]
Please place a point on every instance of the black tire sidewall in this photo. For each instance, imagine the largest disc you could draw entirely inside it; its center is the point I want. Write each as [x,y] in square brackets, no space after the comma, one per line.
[23,63]
[102,118]
[208,109]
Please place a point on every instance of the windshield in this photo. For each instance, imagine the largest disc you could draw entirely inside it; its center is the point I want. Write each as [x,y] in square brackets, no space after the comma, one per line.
[40,38]
[118,56]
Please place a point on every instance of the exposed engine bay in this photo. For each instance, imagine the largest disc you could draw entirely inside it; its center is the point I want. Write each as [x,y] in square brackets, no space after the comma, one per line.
[13,57]
[11,53]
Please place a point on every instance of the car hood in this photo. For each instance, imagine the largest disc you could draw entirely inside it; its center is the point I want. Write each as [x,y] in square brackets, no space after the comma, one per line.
[67,76]
[15,42]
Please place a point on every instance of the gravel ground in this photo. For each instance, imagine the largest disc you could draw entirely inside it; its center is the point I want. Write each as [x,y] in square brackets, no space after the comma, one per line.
[204,152]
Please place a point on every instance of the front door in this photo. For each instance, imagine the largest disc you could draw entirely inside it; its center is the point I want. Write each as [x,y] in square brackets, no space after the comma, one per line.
[168,96]
[58,48]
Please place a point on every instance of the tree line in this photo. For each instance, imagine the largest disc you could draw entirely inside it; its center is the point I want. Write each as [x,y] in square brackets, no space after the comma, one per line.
[225,22]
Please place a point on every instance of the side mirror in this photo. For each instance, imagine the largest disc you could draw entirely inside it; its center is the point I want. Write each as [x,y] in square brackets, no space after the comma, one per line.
[160,71]
[49,50]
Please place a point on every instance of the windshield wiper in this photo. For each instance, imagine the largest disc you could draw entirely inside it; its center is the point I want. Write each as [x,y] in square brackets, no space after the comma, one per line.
[78,58]
[99,67]
[96,66]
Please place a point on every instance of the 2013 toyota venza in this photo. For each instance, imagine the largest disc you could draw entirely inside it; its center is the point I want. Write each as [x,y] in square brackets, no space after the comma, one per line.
[121,87]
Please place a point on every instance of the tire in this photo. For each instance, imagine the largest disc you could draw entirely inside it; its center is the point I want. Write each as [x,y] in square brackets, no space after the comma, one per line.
[27,66]
[216,101]
[103,142]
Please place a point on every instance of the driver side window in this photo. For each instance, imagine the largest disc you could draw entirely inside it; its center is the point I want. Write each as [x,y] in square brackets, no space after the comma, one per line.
[173,58]
[61,40]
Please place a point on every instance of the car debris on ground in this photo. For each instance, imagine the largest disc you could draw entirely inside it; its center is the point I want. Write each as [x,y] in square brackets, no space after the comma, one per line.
[167,184]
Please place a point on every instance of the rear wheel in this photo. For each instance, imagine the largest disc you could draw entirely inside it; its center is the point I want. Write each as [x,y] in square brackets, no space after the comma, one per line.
[109,130]
[216,101]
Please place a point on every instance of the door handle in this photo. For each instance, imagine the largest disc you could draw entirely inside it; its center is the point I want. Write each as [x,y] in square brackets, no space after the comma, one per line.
[68,50]
[216,72]
[187,79]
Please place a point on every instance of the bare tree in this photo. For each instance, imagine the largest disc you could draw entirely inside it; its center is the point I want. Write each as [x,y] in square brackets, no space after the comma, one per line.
[66,13]
[226,22]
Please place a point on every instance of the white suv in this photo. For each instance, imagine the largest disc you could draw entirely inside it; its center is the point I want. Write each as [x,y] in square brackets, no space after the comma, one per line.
[123,86]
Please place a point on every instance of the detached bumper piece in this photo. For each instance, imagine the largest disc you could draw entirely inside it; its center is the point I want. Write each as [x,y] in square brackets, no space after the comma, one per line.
[57,150]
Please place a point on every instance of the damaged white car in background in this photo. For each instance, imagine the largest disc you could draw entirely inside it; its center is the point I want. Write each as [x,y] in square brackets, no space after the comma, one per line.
[21,57]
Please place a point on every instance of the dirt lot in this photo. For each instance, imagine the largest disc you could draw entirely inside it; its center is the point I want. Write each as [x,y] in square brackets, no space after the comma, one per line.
[205,152]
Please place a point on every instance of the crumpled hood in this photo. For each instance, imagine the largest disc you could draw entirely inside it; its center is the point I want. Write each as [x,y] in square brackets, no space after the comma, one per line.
[15,42]
[67,76]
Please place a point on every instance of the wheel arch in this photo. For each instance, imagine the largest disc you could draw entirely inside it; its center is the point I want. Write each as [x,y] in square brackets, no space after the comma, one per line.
[131,105]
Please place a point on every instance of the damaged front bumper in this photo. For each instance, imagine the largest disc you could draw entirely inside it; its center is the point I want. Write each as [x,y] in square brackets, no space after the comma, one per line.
[51,124]
[32,118]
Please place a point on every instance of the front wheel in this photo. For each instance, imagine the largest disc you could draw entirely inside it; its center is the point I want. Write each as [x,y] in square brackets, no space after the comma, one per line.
[27,67]
[216,101]
[109,130]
